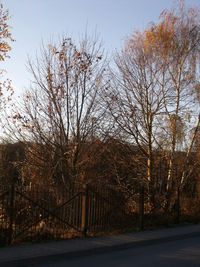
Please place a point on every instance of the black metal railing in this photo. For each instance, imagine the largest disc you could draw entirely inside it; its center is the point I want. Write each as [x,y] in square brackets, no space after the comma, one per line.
[36,213]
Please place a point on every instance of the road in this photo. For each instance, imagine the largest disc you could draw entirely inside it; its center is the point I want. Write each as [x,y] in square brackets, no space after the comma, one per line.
[179,253]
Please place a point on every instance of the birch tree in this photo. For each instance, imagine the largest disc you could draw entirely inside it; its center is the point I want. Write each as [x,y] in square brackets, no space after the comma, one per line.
[176,40]
[136,99]
[153,100]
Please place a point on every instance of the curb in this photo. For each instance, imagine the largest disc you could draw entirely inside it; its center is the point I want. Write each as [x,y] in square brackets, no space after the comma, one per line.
[24,262]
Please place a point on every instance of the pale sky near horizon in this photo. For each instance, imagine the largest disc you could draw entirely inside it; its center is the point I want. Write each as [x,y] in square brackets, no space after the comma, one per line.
[34,21]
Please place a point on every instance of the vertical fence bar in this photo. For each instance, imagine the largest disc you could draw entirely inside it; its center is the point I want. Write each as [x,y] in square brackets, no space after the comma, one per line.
[11,214]
[178,206]
[84,207]
[141,208]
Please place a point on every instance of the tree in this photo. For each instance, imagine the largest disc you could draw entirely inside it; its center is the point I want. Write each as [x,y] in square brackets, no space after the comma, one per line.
[61,112]
[5,34]
[154,95]
[5,40]
[176,41]
[136,100]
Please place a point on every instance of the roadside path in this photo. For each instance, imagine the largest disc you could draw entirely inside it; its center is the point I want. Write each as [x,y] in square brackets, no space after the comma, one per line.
[36,253]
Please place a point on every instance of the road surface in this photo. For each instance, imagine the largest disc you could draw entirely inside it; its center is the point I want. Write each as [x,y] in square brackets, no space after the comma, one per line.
[178,253]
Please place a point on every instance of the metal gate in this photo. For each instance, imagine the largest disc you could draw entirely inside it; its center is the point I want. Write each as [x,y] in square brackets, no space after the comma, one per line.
[35,213]
[32,214]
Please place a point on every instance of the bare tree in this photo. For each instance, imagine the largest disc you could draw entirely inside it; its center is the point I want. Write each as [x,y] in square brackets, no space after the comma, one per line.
[6,89]
[153,95]
[61,112]
[176,40]
[136,97]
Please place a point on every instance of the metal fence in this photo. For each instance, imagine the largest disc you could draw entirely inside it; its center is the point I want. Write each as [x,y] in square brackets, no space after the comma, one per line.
[35,213]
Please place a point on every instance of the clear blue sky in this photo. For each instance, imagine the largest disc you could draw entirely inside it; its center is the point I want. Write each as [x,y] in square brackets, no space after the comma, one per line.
[36,20]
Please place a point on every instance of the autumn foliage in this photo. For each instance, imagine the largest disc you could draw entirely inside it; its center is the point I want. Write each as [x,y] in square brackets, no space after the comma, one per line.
[5,33]
[134,125]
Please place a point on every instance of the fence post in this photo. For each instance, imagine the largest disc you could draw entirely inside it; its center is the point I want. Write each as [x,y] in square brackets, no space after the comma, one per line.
[84,213]
[11,214]
[141,208]
[178,206]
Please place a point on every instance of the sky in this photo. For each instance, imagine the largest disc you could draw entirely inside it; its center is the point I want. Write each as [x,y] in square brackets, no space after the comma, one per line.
[37,21]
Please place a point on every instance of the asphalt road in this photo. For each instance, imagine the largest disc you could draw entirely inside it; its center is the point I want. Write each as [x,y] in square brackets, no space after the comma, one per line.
[179,253]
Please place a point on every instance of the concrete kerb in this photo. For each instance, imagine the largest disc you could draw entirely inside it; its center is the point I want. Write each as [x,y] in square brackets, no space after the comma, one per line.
[105,248]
